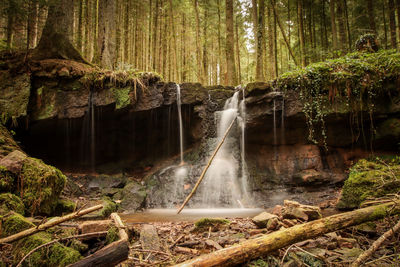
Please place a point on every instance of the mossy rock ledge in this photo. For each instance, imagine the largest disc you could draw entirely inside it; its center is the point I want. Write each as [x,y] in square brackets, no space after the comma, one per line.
[370,179]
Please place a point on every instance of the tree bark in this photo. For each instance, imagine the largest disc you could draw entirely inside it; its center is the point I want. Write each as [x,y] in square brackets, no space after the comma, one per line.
[371,17]
[333,25]
[110,255]
[260,42]
[106,36]
[341,25]
[398,19]
[301,32]
[230,51]
[254,248]
[239,78]
[32,27]
[198,49]
[392,23]
[56,40]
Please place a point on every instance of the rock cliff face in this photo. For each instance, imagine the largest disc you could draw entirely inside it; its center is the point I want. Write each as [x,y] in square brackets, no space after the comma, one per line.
[77,117]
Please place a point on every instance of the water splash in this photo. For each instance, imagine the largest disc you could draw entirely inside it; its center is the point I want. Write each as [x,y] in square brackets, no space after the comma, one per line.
[178,102]
[223,186]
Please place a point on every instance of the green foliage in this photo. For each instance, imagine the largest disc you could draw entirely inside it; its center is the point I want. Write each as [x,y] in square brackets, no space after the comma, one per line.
[112,235]
[368,179]
[65,206]
[357,77]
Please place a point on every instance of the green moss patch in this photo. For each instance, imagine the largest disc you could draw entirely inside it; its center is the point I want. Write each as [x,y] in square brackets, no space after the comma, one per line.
[214,223]
[42,185]
[109,207]
[10,202]
[369,179]
[54,255]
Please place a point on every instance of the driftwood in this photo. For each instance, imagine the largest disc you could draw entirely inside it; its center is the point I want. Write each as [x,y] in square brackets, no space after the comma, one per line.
[206,168]
[364,256]
[44,226]
[254,248]
[112,254]
[83,237]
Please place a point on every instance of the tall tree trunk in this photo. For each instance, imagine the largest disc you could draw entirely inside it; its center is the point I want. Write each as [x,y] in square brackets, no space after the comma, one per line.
[174,49]
[392,24]
[371,17]
[32,27]
[254,17]
[198,49]
[205,38]
[325,31]
[341,26]
[154,42]
[183,41]
[238,50]
[271,61]
[107,35]
[346,13]
[56,40]
[126,31]
[10,23]
[230,52]
[87,29]
[221,64]
[333,25]
[79,38]
[385,36]
[260,42]
[301,32]
[275,45]
[398,19]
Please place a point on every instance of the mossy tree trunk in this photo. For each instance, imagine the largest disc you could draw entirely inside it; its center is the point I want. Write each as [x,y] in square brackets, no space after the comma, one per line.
[56,40]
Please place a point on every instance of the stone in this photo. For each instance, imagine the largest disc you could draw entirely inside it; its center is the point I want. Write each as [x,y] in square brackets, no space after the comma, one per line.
[277,210]
[149,238]
[133,196]
[310,177]
[63,72]
[262,219]
[94,226]
[295,210]
[13,161]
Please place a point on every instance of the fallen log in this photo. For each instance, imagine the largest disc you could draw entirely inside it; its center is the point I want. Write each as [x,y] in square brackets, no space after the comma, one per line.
[110,255]
[206,168]
[44,226]
[120,225]
[254,248]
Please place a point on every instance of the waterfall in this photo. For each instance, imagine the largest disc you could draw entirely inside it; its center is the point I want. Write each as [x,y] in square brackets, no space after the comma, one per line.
[222,185]
[178,102]
[92,134]
[283,122]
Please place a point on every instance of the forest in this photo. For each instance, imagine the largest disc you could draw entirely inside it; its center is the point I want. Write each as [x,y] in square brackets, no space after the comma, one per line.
[207,41]
[256,133]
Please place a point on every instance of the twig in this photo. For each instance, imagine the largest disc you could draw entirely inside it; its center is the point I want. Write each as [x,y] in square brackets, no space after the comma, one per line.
[153,251]
[286,252]
[207,166]
[95,234]
[366,254]
[176,241]
[381,258]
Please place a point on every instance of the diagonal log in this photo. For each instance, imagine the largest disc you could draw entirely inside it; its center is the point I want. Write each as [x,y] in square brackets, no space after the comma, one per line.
[43,227]
[207,166]
[255,248]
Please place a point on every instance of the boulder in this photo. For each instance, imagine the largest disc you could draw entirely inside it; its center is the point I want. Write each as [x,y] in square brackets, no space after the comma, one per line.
[10,202]
[295,210]
[264,219]
[310,177]
[133,196]
[14,161]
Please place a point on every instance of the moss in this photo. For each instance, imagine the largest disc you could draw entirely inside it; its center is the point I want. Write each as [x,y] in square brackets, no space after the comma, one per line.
[10,202]
[14,223]
[42,185]
[122,97]
[55,255]
[6,180]
[65,206]
[369,179]
[109,207]
[112,235]
[206,223]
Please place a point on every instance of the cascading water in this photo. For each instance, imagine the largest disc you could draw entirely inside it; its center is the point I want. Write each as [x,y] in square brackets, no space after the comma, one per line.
[179,104]
[223,185]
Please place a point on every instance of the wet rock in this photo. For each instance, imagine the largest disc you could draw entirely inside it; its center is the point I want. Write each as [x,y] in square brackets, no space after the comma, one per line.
[295,210]
[277,210]
[14,161]
[133,196]
[216,224]
[264,219]
[311,177]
